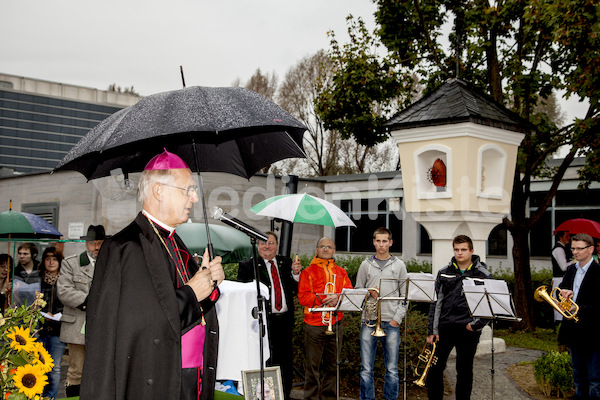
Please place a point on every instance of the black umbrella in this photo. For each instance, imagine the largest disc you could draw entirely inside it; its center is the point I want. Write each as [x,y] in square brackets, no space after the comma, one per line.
[234,130]
[228,129]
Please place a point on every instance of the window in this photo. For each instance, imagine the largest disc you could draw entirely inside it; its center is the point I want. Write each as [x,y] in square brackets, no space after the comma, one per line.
[496,244]
[48,211]
[425,242]
[368,215]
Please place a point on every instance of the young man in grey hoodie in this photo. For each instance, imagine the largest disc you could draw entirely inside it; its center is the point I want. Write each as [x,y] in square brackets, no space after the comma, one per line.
[392,270]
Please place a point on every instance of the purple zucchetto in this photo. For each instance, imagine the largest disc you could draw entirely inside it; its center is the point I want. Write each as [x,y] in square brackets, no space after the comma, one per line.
[166,160]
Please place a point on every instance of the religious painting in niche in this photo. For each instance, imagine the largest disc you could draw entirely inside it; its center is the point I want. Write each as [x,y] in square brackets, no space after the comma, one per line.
[437,175]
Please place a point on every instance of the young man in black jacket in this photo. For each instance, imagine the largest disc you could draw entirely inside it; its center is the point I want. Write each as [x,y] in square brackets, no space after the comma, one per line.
[450,322]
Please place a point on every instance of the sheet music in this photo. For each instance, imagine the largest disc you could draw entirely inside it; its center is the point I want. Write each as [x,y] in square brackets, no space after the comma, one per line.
[421,287]
[488,298]
[350,300]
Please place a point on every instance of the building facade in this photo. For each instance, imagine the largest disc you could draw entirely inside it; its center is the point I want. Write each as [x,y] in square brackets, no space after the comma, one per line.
[40,121]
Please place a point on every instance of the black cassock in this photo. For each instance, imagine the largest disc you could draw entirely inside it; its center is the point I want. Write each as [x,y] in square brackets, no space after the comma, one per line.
[136,317]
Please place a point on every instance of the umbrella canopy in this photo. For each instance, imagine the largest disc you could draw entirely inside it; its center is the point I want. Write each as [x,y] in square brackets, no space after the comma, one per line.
[303,208]
[230,244]
[25,225]
[580,225]
[227,129]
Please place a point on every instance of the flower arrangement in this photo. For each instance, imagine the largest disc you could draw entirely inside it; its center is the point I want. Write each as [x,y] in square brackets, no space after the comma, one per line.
[24,362]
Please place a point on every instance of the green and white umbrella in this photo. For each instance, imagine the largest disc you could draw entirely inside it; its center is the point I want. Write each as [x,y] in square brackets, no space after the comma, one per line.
[232,245]
[303,208]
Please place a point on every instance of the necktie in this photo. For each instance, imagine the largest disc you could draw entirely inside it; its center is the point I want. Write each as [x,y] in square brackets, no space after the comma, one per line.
[276,285]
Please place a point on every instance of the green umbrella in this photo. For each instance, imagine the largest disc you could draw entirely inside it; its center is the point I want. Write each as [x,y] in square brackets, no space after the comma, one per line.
[25,225]
[230,244]
[303,208]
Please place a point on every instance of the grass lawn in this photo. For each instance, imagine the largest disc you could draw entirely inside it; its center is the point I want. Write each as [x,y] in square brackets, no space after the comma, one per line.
[542,339]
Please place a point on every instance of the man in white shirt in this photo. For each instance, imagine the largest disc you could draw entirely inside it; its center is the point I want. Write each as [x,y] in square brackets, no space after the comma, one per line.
[580,284]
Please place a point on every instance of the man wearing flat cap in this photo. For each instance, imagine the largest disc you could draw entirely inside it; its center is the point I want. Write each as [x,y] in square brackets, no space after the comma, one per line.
[152,330]
[73,287]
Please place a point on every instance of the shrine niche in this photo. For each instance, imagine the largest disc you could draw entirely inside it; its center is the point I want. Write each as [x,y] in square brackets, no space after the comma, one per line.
[432,166]
[491,171]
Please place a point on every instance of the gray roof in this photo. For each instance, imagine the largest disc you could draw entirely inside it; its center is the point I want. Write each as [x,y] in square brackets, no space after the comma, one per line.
[456,102]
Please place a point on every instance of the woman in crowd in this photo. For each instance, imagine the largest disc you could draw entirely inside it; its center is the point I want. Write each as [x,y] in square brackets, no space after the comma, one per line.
[6,265]
[49,333]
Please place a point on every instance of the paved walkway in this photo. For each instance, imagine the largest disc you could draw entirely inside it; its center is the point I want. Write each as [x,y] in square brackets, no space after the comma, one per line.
[505,387]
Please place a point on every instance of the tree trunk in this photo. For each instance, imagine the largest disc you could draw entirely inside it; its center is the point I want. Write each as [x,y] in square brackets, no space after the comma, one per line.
[523,292]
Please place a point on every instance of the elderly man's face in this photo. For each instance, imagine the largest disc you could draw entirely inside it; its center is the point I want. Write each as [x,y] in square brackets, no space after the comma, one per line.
[176,205]
[326,249]
[268,250]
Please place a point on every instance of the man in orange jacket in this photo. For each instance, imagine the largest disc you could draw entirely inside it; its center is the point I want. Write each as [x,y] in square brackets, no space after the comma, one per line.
[322,276]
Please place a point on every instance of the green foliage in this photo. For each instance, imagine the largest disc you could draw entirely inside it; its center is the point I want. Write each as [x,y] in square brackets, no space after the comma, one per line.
[414,265]
[360,96]
[553,374]
[231,271]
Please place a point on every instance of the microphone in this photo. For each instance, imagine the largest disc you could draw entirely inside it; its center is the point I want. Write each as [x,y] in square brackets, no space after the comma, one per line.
[217,213]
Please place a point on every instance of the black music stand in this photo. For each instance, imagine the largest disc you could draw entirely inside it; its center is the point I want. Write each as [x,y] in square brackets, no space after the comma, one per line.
[418,287]
[490,299]
[348,300]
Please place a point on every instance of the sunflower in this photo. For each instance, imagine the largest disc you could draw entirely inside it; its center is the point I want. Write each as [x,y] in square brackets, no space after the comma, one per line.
[43,358]
[30,380]
[21,340]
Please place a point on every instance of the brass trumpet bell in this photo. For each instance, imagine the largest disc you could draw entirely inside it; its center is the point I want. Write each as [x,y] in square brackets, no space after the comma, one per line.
[560,303]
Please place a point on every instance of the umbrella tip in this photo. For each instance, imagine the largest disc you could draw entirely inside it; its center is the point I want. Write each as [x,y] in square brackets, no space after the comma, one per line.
[10,205]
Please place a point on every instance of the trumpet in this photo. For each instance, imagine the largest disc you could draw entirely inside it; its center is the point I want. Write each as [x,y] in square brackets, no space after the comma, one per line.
[327,316]
[429,358]
[560,303]
[371,310]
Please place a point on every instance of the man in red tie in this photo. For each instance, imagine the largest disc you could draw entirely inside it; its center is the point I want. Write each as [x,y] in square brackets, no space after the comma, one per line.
[281,276]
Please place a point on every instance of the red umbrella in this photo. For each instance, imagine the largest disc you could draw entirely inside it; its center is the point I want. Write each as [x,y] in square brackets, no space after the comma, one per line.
[580,225]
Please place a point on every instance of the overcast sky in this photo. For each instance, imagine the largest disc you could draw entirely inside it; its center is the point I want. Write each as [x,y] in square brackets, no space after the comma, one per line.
[142,43]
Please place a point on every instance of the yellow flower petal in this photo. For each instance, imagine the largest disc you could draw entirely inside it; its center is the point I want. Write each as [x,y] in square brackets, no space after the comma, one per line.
[21,339]
[30,380]
[43,358]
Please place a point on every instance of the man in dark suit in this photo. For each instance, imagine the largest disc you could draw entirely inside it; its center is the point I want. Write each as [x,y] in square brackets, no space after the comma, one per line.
[151,328]
[281,276]
[580,284]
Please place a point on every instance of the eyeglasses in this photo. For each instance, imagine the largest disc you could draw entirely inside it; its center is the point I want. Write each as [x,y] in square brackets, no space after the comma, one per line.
[189,191]
[325,247]
[267,243]
[579,248]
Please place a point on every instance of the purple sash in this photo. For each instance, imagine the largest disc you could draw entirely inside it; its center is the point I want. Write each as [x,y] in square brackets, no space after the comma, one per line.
[192,347]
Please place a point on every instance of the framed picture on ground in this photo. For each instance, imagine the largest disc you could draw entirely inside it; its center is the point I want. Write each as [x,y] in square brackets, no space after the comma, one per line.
[272,384]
